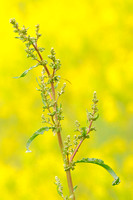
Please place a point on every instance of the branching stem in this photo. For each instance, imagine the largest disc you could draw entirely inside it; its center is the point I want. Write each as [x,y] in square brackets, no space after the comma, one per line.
[54,110]
[76,150]
[68,173]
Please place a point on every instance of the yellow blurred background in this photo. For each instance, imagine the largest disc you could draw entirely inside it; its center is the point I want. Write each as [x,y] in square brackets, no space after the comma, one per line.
[94,41]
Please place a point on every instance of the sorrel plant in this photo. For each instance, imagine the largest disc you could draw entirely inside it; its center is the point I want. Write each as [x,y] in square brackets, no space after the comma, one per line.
[52,110]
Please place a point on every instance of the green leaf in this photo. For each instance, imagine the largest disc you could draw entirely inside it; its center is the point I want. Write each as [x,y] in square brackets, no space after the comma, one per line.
[38,132]
[75,187]
[96,117]
[102,164]
[38,82]
[26,71]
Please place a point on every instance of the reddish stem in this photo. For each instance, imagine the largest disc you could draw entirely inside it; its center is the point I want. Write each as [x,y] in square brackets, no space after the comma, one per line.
[76,150]
[41,58]
[68,173]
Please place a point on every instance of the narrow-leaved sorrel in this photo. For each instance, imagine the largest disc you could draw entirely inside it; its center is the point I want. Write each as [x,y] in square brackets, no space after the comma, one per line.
[52,110]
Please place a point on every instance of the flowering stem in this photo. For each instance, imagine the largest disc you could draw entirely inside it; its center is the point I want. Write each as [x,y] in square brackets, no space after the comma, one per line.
[68,173]
[76,150]
[35,46]
[47,85]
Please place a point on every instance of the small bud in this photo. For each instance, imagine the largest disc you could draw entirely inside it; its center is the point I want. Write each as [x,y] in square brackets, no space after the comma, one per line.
[68,138]
[95,100]
[75,136]
[95,94]
[15,31]
[44,62]
[41,49]
[52,51]
[43,116]
[50,56]
[12,21]
[77,124]
[37,26]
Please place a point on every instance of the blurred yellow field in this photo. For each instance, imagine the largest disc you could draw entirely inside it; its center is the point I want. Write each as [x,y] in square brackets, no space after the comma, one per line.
[94,41]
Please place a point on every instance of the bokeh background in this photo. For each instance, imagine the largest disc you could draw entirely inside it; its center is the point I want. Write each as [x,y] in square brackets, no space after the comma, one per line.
[94,41]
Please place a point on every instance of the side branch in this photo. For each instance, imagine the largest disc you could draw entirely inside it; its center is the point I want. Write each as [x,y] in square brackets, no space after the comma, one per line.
[76,150]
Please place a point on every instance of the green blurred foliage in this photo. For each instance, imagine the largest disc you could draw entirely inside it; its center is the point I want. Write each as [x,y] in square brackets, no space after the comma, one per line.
[94,40]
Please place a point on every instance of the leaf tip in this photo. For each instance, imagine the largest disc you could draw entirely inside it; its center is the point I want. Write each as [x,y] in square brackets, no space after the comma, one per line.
[28,151]
[116,181]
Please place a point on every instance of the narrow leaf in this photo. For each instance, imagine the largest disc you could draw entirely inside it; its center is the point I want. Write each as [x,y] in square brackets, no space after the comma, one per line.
[102,164]
[38,132]
[38,82]
[26,71]
[75,187]
[96,117]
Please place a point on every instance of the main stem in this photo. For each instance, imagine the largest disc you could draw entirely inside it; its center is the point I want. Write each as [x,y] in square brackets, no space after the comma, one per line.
[68,173]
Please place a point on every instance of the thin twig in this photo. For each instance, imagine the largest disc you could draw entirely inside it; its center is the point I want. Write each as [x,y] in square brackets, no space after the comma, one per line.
[76,150]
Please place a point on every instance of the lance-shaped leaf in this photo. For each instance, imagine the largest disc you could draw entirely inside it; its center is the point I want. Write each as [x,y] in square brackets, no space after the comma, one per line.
[102,164]
[38,132]
[75,187]
[26,71]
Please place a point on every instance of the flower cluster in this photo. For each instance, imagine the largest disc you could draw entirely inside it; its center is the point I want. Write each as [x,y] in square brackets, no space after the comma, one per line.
[30,42]
[59,186]
[48,81]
